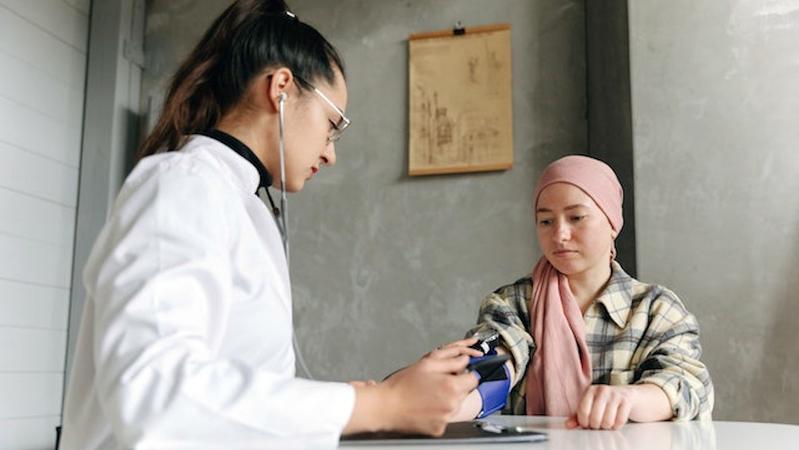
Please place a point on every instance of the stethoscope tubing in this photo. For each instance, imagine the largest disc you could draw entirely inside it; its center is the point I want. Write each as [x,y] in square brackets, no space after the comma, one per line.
[283,221]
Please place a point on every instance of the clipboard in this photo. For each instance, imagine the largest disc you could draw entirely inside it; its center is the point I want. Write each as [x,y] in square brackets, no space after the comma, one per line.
[456,433]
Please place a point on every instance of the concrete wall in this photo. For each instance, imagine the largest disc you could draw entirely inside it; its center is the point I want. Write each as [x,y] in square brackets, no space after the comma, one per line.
[715,102]
[385,267]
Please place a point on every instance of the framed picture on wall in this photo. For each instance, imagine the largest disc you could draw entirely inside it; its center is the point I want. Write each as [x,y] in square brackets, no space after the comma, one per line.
[461,112]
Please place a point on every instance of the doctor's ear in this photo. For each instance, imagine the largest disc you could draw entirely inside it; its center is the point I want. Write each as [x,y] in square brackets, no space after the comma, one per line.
[279,82]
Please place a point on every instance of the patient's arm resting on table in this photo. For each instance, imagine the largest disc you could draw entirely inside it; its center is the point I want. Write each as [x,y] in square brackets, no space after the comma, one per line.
[610,407]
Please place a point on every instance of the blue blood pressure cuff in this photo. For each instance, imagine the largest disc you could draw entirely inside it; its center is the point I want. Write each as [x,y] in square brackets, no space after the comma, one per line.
[494,385]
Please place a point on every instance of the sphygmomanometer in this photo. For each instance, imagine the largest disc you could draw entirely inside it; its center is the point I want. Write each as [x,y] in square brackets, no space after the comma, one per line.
[493,373]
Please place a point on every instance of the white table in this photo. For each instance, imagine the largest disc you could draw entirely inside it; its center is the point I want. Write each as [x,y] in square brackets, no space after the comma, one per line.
[648,436]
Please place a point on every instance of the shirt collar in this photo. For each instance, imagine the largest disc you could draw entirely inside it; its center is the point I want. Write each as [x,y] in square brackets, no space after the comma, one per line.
[265,178]
[617,295]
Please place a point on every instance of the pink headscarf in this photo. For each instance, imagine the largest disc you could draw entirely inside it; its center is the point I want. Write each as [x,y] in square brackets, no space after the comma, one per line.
[560,370]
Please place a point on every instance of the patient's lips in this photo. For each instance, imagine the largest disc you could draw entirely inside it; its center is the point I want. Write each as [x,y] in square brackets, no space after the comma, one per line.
[564,252]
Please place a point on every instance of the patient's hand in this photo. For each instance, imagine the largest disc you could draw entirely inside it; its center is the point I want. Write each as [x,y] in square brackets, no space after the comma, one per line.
[610,407]
[603,407]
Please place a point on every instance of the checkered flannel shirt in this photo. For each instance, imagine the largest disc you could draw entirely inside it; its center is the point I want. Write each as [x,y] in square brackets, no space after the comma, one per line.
[636,333]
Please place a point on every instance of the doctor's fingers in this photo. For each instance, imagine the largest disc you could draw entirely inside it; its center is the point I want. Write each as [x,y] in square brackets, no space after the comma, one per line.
[466,382]
[454,364]
[457,384]
[461,343]
[450,390]
[453,351]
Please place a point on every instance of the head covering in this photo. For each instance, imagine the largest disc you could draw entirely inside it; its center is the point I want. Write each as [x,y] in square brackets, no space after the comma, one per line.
[594,177]
[560,370]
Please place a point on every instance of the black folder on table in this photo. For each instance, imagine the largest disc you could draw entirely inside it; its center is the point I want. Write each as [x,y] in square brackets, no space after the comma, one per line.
[457,433]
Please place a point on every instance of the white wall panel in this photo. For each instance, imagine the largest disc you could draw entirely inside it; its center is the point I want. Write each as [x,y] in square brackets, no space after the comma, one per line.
[30,394]
[36,433]
[43,47]
[29,173]
[41,50]
[35,262]
[32,350]
[56,17]
[25,84]
[32,306]
[39,133]
[36,219]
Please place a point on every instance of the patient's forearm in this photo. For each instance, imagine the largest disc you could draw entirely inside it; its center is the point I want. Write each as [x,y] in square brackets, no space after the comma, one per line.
[470,408]
[651,404]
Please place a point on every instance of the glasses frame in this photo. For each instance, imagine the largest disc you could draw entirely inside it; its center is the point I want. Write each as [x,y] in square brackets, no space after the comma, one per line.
[343,123]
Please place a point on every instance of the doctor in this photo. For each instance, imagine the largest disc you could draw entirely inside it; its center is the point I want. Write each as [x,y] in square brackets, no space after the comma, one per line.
[185,340]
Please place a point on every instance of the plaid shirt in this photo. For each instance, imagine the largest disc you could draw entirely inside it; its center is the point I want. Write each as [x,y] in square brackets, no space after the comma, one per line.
[636,333]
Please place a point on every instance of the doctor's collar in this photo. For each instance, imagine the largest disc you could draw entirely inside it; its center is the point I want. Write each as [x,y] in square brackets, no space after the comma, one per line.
[265,178]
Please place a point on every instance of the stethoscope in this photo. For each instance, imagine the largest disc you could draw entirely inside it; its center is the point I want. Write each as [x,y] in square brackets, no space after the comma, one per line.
[284,213]
[281,215]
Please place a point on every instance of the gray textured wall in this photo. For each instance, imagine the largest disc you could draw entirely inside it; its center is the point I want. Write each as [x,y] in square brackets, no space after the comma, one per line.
[385,267]
[715,99]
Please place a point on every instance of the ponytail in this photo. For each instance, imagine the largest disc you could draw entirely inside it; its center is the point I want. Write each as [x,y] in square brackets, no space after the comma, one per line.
[247,38]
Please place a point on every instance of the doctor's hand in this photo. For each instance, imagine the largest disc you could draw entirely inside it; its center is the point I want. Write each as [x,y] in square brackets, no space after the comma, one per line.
[425,395]
[462,344]
[420,398]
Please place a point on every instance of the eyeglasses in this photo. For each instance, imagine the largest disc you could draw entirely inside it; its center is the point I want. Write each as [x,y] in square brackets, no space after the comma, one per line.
[343,122]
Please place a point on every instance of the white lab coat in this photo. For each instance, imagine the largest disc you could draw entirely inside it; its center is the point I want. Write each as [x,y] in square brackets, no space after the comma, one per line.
[185,340]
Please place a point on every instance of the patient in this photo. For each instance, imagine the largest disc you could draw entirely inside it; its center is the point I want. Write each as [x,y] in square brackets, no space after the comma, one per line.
[589,342]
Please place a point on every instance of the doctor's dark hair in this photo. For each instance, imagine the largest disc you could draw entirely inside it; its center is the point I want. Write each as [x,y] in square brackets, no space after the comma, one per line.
[249,37]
